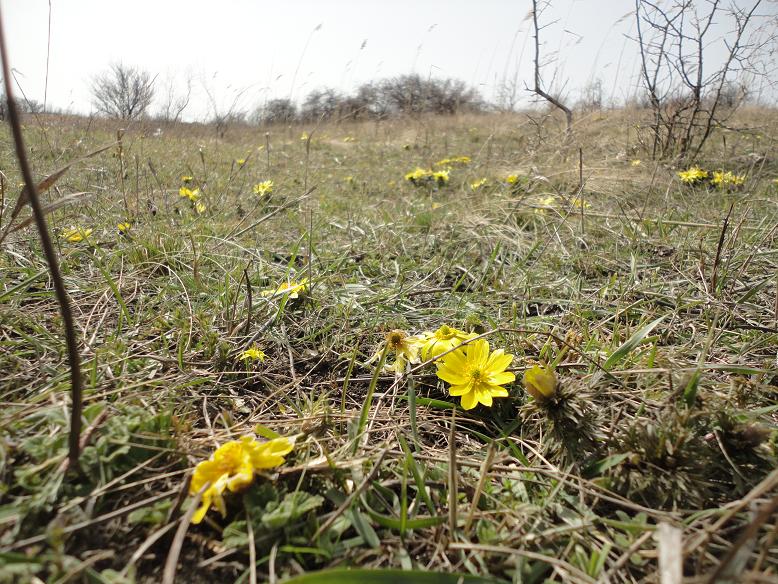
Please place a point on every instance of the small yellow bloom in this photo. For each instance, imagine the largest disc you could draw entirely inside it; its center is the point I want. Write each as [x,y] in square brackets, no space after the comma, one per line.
[123,227]
[240,161]
[199,206]
[512,179]
[442,340]
[292,288]
[232,468]
[75,234]
[404,347]
[578,202]
[540,382]
[422,177]
[186,193]
[545,203]
[185,178]
[693,175]
[474,186]
[723,179]
[263,188]
[418,175]
[454,161]
[441,177]
[475,374]
[635,163]
[253,353]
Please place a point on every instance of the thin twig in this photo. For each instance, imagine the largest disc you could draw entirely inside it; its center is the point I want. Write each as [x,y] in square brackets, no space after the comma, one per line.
[74,360]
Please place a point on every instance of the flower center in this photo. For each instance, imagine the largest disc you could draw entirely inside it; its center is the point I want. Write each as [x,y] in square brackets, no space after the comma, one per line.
[444,333]
[476,374]
[395,339]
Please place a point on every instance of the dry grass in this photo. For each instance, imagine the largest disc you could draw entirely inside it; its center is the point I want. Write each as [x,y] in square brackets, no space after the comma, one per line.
[681,430]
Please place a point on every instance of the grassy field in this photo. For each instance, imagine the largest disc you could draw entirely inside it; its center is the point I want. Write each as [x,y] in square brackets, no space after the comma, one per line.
[655,303]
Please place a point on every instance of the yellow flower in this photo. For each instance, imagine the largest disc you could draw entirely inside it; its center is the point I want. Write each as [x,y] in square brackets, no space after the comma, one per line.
[232,468]
[442,340]
[263,188]
[199,207]
[578,202]
[474,186]
[186,193]
[454,161]
[635,163]
[185,178]
[441,177]
[253,353]
[693,175]
[418,175]
[475,374]
[75,234]
[722,179]
[292,288]
[123,228]
[512,179]
[545,203]
[405,348]
[540,382]
[240,161]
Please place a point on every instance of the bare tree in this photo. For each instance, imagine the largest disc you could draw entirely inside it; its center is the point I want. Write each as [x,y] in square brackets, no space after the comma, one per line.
[591,96]
[538,88]
[688,95]
[175,98]
[223,112]
[123,91]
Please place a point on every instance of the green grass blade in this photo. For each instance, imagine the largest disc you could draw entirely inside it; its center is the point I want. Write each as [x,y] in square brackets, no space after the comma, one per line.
[631,343]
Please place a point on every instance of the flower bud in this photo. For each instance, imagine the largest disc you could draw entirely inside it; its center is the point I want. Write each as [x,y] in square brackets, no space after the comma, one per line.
[540,383]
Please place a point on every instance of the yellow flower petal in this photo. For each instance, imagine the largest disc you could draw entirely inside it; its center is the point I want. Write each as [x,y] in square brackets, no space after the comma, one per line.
[540,382]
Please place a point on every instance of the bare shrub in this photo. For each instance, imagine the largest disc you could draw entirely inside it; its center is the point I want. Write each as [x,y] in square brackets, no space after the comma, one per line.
[688,96]
[123,91]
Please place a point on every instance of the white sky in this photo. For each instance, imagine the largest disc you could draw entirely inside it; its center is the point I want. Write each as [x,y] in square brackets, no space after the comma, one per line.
[263,49]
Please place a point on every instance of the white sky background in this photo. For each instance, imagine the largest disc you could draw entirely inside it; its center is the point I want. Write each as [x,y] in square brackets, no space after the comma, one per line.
[264,49]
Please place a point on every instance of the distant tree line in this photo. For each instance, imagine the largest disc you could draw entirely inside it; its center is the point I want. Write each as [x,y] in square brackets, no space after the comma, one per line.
[127,92]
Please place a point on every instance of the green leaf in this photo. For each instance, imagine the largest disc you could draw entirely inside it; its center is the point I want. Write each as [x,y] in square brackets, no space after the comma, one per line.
[152,515]
[265,432]
[597,468]
[418,523]
[690,391]
[294,506]
[235,535]
[363,528]
[631,344]
[364,576]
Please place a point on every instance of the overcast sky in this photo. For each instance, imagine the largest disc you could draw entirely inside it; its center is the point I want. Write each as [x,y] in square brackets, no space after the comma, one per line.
[265,49]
